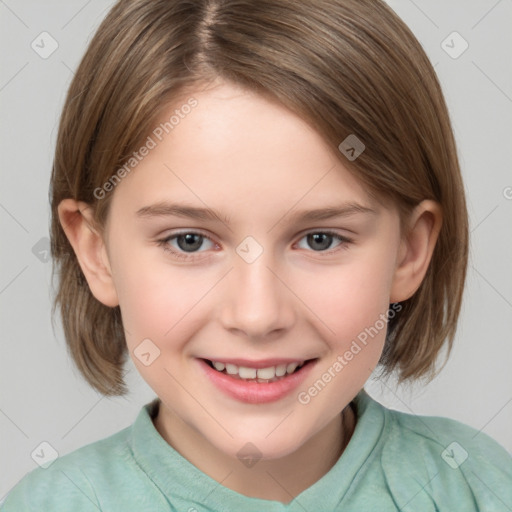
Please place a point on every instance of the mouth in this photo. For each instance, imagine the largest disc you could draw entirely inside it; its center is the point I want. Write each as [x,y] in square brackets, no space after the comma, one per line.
[261,372]
[256,382]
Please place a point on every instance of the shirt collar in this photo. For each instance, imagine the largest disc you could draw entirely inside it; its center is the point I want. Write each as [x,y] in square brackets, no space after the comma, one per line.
[179,480]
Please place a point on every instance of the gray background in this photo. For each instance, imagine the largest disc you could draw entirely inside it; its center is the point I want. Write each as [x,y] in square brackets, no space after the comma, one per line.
[42,396]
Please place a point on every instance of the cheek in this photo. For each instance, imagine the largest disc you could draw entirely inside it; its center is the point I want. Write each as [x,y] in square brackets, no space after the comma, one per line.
[153,307]
[354,308]
[159,304]
[148,304]
[352,297]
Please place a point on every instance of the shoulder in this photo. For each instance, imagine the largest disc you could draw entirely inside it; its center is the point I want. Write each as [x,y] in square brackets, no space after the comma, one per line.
[448,461]
[448,440]
[71,481]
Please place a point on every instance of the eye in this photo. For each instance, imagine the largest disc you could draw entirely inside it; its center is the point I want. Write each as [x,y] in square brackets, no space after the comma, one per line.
[187,242]
[322,240]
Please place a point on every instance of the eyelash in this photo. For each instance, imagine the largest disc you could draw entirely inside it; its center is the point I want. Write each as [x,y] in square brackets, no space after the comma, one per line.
[164,243]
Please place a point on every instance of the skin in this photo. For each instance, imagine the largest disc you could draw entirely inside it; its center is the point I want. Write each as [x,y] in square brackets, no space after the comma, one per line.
[257,163]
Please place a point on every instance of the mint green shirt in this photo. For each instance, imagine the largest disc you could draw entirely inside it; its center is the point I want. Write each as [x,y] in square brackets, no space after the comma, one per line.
[394,461]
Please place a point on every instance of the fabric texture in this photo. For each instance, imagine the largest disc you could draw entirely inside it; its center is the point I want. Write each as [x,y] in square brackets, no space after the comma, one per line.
[393,462]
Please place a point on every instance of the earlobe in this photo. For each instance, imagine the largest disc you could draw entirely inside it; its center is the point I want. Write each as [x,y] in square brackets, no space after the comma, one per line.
[416,250]
[89,247]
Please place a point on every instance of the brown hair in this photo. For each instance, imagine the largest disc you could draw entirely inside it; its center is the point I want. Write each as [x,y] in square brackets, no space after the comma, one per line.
[345,66]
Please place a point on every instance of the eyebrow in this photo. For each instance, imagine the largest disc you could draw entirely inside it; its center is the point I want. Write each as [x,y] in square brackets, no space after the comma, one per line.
[165,209]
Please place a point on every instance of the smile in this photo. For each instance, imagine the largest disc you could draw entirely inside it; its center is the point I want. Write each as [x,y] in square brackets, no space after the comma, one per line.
[256,381]
[268,374]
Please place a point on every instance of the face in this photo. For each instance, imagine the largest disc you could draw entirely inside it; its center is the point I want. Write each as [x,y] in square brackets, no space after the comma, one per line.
[257,289]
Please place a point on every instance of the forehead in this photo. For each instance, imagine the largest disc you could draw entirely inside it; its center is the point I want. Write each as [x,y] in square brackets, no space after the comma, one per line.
[237,151]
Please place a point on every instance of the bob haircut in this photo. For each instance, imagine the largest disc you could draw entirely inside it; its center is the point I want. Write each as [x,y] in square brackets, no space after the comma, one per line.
[344,66]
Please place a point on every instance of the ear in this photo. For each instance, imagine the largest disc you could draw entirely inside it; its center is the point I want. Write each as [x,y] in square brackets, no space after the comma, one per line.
[416,249]
[77,222]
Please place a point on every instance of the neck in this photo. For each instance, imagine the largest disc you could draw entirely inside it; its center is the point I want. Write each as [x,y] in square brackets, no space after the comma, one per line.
[278,479]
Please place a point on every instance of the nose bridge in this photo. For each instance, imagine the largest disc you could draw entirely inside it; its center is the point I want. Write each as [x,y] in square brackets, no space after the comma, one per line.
[258,302]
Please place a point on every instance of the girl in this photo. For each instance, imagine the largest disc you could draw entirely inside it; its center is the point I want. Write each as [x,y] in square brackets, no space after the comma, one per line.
[260,203]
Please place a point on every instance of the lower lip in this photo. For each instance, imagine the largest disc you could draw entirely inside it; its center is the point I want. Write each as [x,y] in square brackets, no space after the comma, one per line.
[255,392]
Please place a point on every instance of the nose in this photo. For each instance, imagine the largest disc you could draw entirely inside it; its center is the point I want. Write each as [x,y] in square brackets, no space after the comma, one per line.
[258,304]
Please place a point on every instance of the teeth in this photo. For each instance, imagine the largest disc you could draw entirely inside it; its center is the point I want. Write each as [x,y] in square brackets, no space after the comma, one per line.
[247,373]
[269,373]
[280,370]
[232,369]
[291,367]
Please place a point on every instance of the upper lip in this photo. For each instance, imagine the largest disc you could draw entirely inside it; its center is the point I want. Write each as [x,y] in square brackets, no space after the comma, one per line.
[260,363]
